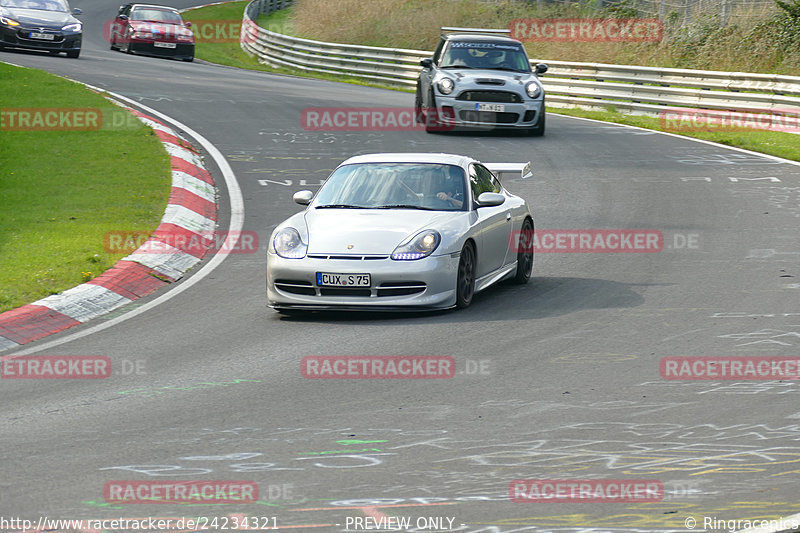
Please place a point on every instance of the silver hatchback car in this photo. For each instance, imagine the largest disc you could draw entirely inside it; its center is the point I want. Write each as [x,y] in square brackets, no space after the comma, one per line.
[480,79]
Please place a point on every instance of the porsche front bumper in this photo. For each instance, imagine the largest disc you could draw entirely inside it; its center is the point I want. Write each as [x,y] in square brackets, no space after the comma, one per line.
[428,283]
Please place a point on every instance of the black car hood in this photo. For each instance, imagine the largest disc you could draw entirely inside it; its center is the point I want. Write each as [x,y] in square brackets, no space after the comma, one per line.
[38,17]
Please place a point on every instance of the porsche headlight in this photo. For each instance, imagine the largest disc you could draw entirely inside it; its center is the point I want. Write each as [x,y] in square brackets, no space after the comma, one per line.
[533,89]
[8,22]
[446,85]
[420,245]
[73,27]
[288,244]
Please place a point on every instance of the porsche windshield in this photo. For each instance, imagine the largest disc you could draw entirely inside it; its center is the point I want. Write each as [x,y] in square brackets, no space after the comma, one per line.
[41,5]
[427,186]
[486,55]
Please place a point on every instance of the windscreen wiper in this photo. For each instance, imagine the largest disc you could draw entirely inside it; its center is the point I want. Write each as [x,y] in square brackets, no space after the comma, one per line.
[340,206]
[405,206]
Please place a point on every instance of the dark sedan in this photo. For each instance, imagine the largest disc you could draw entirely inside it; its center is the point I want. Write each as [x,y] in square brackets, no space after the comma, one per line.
[40,25]
[152,30]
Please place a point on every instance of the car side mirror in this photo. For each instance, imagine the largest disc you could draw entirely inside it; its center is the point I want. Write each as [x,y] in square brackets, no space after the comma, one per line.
[188,24]
[427,62]
[541,68]
[303,197]
[123,17]
[77,11]
[490,199]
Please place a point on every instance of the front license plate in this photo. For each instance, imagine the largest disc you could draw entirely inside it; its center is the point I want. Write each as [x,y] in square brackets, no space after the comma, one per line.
[497,108]
[44,36]
[165,45]
[328,279]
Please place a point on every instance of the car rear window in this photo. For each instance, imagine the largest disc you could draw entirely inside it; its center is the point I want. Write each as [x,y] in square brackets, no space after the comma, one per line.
[154,14]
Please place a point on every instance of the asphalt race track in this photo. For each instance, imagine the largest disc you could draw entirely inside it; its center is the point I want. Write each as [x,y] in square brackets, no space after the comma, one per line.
[558,379]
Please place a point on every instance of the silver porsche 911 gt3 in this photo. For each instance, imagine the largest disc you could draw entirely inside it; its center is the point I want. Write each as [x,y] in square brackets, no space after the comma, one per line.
[400,231]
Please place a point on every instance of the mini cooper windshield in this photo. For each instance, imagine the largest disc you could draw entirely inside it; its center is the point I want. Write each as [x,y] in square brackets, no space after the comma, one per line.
[427,186]
[485,55]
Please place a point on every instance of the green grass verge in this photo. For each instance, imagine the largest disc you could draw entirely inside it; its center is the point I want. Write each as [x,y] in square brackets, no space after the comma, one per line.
[785,145]
[231,54]
[62,191]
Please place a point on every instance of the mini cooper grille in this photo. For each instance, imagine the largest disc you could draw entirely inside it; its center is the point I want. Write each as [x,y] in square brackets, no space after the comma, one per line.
[490,96]
[488,117]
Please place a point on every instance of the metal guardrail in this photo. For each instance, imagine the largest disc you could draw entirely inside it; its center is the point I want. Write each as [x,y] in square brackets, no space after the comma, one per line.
[634,89]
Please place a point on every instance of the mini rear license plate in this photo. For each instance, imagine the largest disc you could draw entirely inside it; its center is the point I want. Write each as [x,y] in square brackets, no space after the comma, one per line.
[497,108]
[165,45]
[45,36]
[328,279]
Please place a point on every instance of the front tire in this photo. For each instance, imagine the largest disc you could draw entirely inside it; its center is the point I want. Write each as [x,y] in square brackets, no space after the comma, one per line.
[538,129]
[74,54]
[524,253]
[465,282]
[419,116]
[431,118]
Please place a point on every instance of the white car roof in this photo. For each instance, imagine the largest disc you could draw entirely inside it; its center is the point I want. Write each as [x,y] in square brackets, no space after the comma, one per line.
[446,159]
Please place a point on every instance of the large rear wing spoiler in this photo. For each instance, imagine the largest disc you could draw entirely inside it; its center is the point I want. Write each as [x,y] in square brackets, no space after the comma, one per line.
[478,31]
[524,169]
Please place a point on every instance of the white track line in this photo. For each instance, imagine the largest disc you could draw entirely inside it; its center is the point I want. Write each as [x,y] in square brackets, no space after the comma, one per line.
[685,138]
[234,231]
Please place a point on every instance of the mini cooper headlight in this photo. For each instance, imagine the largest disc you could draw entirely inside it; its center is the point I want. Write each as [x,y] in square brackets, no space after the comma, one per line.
[73,27]
[446,85]
[533,89]
[288,244]
[420,245]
